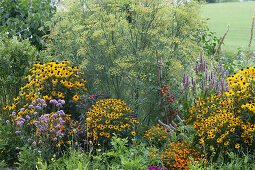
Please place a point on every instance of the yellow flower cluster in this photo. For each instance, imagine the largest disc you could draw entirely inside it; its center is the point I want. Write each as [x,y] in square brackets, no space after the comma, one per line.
[157,135]
[110,116]
[48,81]
[227,121]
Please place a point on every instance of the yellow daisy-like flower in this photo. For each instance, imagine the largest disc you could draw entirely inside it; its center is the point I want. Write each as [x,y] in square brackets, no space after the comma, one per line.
[133,133]
[237,146]
[76,97]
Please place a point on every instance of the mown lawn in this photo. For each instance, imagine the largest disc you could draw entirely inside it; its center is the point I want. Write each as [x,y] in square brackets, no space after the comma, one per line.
[238,15]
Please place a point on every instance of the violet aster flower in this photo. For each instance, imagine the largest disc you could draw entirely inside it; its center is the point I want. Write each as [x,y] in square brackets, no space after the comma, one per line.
[20,123]
[42,101]
[61,112]
[13,113]
[38,107]
[59,105]
[59,133]
[31,106]
[53,101]
[7,121]
[34,143]
[27,117]
[60,120]
[44,105]
[35,113]
[57,126]
[61,101]
[22,109]
[17,148]
[36,122]
[54,115]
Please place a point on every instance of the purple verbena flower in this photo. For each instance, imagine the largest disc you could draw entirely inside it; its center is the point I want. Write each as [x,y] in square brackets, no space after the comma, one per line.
[59,105]
[35,113]
[7,121]
[44,105]
[17,148]
[17,132]
[22,109]
[34,143]
[13,113]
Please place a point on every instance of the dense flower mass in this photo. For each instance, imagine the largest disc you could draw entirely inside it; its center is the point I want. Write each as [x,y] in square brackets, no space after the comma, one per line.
[46,104]
[177,155]
[157,135]
[226,121]
[110,116]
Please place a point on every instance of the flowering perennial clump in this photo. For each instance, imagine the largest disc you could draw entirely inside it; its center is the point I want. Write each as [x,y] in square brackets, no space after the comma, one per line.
[227,122]
[110,116]
[46,105]
[157,135]
[176,155]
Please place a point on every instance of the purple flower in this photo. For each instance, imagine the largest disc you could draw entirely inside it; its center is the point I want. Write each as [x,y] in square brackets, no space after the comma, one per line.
[7,121]
[22,109]
[35,149]
[34,143]
[38,107]
[59,133]
[20,123]
[53,101]
[33,102]
[36,122]
[57,126]
[59,105]
[13,113]
[17,132]
[29,140]
[52,130]
[17,148]
[27,117]
[38,100]
[35,113]
[61,101]
[40,141]
[44,105]
[55,139]
[54,115]
[61,112]
[60,120]
[31,106]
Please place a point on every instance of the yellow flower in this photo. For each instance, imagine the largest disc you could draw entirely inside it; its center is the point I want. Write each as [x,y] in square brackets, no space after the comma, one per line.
[133,133]
[237,146]
[76,97]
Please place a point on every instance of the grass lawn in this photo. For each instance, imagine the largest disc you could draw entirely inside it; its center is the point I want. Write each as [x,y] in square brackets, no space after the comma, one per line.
[238,15]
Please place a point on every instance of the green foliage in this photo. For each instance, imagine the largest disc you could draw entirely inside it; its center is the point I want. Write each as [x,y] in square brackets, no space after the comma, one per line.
[8,143]
[15,58]
[26,18]
[115,43]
